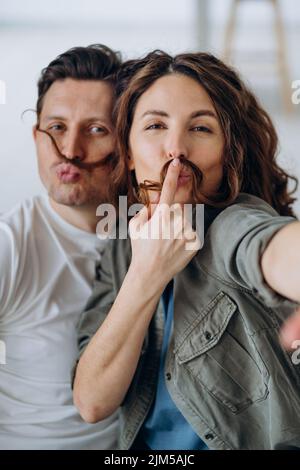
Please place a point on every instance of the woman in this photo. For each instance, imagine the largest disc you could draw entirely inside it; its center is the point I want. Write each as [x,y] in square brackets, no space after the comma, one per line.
[186,340]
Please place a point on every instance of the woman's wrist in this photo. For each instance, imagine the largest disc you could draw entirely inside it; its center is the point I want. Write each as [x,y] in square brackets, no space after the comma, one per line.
[146,280]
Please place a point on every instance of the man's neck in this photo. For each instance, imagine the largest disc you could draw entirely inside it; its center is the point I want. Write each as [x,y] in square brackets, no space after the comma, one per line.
[83,218]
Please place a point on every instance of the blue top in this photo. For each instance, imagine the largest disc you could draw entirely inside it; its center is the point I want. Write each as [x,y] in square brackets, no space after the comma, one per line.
[165,427]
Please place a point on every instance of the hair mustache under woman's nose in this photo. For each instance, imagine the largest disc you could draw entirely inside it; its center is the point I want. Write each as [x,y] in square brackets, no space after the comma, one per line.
[193,170]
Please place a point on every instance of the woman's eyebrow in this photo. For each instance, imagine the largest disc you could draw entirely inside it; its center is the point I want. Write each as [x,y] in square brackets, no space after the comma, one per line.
[155,112]
[203,112]
[195,114]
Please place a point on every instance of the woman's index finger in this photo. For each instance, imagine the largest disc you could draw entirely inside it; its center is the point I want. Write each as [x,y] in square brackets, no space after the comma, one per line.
[170,183]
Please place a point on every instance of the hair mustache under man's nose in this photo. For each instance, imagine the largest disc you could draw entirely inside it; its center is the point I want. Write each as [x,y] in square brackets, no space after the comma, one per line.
[194,171]
[76,161]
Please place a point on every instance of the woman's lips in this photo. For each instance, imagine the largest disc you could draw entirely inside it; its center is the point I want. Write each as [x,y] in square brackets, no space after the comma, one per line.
[67,173]
[183,179]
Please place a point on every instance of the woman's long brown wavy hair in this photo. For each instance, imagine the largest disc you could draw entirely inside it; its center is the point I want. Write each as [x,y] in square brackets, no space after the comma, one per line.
[251,141]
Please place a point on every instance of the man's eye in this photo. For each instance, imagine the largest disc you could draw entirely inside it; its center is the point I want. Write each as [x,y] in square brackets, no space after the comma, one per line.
[56,127]
[201,129]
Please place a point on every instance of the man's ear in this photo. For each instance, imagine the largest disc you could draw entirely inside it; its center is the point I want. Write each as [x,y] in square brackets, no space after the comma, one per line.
[34,131]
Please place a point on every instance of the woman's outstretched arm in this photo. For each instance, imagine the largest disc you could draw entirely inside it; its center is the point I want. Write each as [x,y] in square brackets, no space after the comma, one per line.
[281,269]
[281,262]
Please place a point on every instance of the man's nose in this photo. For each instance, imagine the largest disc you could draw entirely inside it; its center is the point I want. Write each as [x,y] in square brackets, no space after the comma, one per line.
[72,146]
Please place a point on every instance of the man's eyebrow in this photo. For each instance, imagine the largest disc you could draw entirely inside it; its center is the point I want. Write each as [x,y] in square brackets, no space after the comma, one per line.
[64,118]
[199,113]
[54,118]
[96,118]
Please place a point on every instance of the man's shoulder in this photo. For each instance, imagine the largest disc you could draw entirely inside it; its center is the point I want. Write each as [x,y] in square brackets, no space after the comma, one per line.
[19,219]
[15,230]
[22,211]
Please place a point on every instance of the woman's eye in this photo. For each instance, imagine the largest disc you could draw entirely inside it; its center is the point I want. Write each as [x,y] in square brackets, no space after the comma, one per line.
[97,130]
[154,126]
[201,129]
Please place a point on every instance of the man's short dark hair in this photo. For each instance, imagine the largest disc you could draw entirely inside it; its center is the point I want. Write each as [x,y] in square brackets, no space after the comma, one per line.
[94,62]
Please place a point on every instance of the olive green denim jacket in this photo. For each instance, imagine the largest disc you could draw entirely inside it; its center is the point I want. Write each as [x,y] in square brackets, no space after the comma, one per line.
[225,369]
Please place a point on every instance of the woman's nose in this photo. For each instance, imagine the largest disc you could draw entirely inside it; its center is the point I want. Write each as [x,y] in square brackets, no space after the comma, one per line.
[175,146]
[176,154]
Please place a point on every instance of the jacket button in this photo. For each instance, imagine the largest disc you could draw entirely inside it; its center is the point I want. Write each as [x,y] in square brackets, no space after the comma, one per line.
[168,376]
[207,335]
[209,436]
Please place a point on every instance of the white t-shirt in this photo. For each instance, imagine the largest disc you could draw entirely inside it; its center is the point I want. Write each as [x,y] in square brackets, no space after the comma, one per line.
[47,272]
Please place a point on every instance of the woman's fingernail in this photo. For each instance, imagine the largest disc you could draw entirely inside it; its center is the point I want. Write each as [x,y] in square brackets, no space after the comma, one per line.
[175,162]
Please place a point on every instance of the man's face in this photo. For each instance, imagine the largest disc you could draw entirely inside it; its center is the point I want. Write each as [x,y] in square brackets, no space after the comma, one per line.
[77,114]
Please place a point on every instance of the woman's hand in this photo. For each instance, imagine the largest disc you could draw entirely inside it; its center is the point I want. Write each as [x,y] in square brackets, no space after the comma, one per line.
[290,332]
[163,240]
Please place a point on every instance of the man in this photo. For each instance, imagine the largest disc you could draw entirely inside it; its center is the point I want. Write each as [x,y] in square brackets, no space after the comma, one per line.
[48,253]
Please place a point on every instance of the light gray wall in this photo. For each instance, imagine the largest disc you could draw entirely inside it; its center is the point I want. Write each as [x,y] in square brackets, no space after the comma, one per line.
[34,32]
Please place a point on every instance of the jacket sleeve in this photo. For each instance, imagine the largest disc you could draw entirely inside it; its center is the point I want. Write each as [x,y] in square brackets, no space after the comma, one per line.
[234,245]
[98,305]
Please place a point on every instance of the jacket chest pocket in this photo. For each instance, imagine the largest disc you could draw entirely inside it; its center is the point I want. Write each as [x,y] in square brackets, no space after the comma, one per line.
[221,357]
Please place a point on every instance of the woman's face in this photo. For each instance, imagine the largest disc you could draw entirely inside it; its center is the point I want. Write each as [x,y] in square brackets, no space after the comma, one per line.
[175,117]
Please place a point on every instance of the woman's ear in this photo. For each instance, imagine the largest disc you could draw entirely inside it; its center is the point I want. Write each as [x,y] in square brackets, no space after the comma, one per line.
[130,162]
